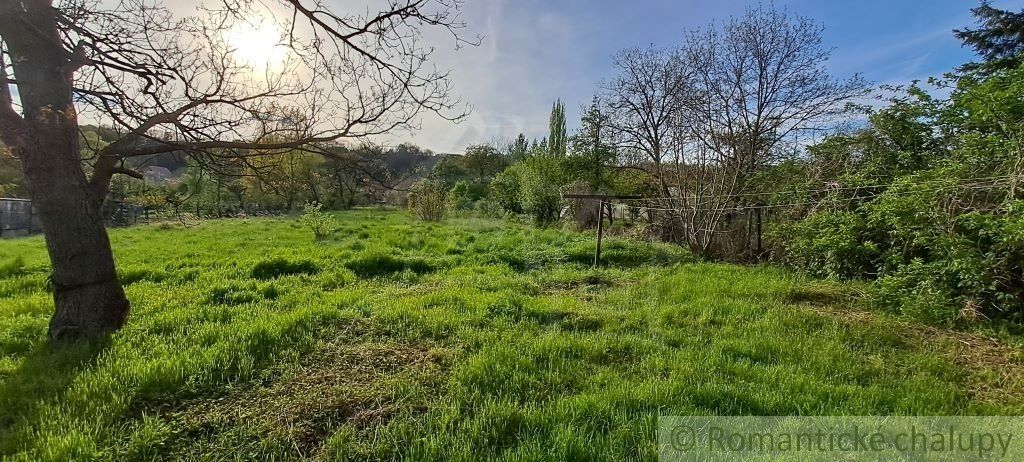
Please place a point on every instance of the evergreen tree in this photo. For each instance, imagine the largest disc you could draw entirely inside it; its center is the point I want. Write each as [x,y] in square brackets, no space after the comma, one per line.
[557,136]
[999,39]
[592,156]
[519,149]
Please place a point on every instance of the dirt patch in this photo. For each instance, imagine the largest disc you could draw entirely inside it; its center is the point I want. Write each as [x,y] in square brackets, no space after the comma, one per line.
[336,385]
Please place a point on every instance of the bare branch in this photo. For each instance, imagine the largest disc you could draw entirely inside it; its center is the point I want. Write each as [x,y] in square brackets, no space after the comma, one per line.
[128,172]
[11,123]
[170,84]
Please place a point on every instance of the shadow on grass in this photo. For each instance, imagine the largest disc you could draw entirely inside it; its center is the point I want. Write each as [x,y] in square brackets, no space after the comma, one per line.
[819,295]
[44,376]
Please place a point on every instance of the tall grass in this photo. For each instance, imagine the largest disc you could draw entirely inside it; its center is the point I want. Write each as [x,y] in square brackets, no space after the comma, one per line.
[394,338]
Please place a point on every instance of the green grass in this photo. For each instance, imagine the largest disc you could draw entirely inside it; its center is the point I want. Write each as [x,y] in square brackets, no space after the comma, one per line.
[464,340]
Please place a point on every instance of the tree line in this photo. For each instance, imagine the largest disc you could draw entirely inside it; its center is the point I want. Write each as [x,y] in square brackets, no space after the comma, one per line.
[746,148]
[690,125]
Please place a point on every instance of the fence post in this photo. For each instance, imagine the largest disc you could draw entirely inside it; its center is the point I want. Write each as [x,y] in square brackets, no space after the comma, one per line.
[600,232]
[759,249]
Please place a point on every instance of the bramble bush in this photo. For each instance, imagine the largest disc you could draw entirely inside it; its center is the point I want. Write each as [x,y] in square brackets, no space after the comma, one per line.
[841,252]
[929,263]
[968,269]
[940,225]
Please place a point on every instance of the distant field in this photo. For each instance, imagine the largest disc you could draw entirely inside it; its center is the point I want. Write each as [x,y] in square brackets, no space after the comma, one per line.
[464,340]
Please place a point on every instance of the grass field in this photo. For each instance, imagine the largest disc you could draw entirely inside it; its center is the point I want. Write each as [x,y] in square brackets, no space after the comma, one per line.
[464,340]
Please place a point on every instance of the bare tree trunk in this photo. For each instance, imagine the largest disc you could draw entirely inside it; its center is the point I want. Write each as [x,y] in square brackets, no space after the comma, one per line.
[88,297]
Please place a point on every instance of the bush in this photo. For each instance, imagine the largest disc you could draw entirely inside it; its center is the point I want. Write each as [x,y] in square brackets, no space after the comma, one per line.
[459,198]
[317,220]
[541,181]
[919,290]
[973,269]
[489,208]
[427,200]
[932,264]
[505,190]
[830,245]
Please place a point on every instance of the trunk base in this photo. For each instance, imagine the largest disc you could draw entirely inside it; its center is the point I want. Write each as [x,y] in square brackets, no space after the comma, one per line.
[87,311]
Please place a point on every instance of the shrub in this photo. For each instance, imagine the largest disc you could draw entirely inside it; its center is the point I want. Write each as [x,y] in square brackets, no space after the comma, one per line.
[489,208]
[830,245]
[427,200]
[314,218]
[541,182]
[459,198]
[931,263]
[970,269]
[505,190]
[919,290]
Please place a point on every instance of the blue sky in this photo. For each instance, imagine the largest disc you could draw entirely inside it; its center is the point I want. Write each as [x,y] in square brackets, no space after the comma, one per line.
[534,51]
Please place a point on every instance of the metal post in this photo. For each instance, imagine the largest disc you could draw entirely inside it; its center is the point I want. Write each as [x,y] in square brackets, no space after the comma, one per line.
[759,249]
[600,232]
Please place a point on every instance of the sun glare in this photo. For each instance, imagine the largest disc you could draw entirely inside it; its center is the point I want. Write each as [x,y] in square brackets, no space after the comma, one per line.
[256,43]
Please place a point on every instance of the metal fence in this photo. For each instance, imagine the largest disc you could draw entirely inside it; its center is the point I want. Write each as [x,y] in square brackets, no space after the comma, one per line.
[17,218]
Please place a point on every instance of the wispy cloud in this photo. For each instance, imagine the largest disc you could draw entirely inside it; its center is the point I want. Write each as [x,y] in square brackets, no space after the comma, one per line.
[535,51]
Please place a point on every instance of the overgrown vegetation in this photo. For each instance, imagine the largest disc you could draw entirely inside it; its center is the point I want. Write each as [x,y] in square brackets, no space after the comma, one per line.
[920,194]
[929,203]
[399,339]
[924,198]
[428,200]
[436,334]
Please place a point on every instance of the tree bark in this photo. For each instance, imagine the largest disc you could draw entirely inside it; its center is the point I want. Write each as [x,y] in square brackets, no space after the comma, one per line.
[87,294]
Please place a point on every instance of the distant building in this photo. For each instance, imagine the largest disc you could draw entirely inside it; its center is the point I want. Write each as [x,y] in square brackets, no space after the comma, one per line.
[17,218]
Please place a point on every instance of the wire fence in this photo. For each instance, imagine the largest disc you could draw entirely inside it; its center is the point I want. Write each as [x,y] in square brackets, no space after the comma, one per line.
[734,226]
[696,202]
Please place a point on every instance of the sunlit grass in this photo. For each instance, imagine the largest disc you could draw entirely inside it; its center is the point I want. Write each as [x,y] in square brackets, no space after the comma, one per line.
[469,339]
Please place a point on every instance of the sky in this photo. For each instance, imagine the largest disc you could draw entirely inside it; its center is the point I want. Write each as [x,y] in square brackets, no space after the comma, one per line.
[534,51]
